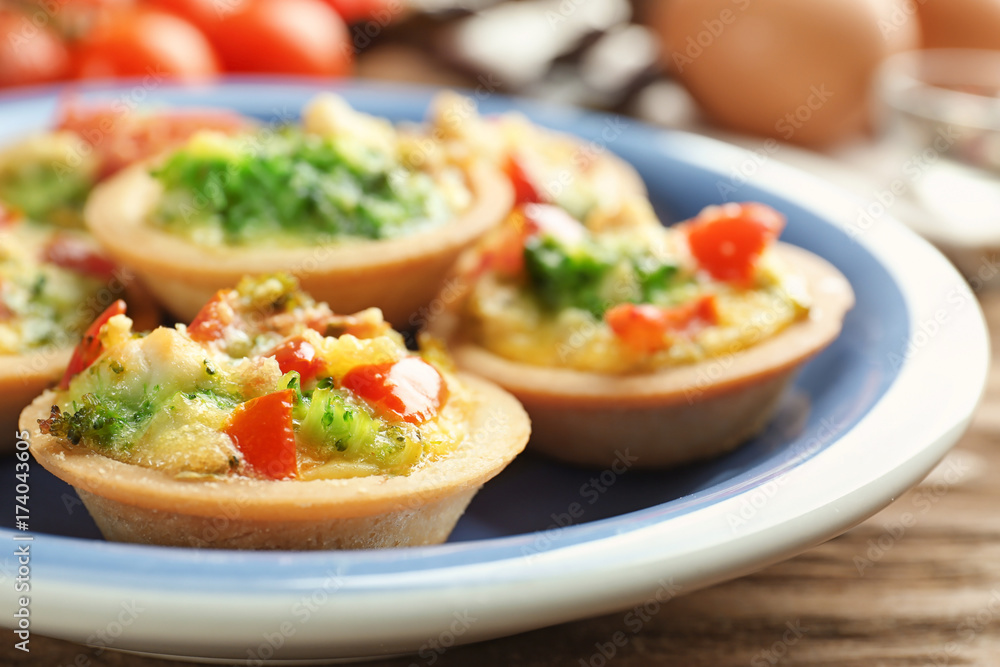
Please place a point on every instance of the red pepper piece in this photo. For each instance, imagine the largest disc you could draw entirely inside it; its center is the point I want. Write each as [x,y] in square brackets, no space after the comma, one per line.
[211,321]
[263,431]
[77,255]
[297,354]
[90,348]
[728,240]
[410,389]
[525,190]
[643,327]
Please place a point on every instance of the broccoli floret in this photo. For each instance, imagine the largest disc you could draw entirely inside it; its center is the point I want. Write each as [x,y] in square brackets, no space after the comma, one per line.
[564,277]
[94,423]
[581,275]
[338,426]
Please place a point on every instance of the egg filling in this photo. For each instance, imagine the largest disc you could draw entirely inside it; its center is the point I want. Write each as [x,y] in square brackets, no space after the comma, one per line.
[50,284]
[48,177]
[341,175]
[263,383]
[624,294]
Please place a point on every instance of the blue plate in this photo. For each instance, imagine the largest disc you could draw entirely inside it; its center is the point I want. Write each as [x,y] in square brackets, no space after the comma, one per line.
[520,558]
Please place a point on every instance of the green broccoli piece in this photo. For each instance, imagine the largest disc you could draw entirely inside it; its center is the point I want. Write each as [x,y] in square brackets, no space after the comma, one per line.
[582,275]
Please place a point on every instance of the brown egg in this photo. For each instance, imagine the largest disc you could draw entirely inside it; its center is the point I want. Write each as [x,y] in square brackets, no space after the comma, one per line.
[796,70]
[963,24]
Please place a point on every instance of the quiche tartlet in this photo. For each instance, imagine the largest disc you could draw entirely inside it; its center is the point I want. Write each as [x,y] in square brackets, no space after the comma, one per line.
[543,166]
[52,284]
[345,202]
[673,343]
[48,175]
[270,422]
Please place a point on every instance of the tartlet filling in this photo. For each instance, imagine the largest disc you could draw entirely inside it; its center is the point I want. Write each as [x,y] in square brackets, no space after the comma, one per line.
[542,165]
[48,177]
[622,293]
[263,383]
[50,283]
[341,175]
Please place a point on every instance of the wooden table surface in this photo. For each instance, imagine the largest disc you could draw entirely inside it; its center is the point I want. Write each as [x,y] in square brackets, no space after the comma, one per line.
[884,594]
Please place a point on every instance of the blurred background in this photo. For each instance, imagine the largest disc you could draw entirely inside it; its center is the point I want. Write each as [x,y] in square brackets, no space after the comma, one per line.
[813,83]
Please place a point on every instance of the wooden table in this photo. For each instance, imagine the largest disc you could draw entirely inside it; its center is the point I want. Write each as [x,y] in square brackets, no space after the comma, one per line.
[885,594]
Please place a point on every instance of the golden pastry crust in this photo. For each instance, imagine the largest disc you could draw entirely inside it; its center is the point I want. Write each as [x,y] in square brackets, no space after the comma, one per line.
[136,504]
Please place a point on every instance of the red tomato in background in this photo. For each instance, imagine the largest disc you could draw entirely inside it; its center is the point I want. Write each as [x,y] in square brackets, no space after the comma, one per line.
[30,54]
[202,13]
[283,37]
[121,138]
[382,11]
[138,42]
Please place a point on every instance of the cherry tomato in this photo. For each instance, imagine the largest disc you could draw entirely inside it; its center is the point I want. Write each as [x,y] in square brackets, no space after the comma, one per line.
[145,42]
[284,36]
[90,348]
[410,389]
[525,189]
[30,54]
[263,431]
[72,252]
[211,321]
[203,14]
[297,354]
[352,11]
[728,240]
[121,138]
[643,327]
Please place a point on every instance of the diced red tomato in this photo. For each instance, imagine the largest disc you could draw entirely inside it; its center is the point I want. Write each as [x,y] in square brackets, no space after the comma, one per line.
[263,431]
[410,389]
[8,215]
[525,190]
[211,321]
[505,252]
[90,348]
[71,252]
[552,221]
[728,240]
[297,354]
[644,327]
[121,138]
